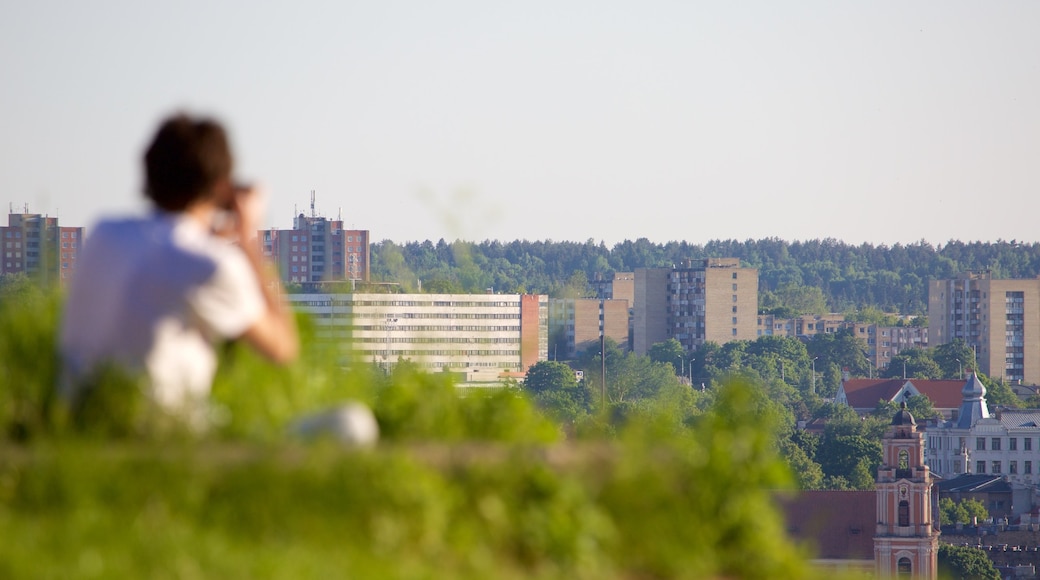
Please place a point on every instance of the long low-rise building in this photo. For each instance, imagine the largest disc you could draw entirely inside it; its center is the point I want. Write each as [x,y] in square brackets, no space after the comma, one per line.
[483,336]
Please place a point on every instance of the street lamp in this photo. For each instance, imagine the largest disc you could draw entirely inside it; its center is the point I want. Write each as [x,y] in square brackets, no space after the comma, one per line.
[783,375]
[814,374]
[960,369]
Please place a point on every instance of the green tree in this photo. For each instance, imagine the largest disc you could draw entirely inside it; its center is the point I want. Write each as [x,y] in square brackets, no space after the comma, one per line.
[808,473]
[852,457]
[556,390]
[913,363]
[951,512]
[669,351]
[549,376]
[998,393]
[834,352]
[975,509]
[795,300]
[953,358]
[921,408]
[965,562]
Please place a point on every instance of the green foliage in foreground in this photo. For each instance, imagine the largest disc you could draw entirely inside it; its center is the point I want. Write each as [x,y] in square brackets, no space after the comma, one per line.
[463,484]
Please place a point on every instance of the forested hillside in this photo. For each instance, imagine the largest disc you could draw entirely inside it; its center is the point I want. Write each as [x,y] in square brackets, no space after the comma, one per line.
[893,278]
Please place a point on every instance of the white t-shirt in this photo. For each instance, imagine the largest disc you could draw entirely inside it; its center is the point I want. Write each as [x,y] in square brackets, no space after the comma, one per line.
[153,295]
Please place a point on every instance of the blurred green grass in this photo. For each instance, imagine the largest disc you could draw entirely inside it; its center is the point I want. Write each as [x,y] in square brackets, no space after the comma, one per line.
[476,486]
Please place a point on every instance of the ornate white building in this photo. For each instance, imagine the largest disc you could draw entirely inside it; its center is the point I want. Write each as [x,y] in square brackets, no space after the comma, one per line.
[1005,443]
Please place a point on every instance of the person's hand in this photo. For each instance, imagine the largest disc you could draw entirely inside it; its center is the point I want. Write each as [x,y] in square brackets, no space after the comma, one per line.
[248,204]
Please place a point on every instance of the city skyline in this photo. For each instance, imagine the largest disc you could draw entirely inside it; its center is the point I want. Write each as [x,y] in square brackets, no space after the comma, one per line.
[866,122]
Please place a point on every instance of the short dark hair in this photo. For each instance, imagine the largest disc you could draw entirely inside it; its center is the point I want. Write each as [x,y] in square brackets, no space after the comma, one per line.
[185,161]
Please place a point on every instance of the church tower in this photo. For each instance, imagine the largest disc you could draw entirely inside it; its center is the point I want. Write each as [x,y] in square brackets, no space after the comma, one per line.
[906,543]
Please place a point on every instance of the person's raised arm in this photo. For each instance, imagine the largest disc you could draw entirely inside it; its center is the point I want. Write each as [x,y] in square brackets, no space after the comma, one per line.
[274,333]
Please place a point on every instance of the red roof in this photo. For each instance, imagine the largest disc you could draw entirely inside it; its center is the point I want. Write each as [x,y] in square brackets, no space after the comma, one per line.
[865,393]
[837,525]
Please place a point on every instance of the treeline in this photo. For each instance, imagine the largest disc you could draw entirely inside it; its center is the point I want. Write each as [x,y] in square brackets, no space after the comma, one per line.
[893,278]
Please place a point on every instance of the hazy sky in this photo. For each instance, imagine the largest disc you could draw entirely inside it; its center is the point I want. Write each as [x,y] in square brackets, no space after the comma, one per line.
[567,120]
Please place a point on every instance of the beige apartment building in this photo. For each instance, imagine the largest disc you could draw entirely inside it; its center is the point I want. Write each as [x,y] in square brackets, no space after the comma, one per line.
[575,325]
[482,337]
[1000,319]
[710,300]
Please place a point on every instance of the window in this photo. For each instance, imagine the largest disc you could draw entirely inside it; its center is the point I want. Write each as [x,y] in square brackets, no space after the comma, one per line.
[296,238]
[1027,444]
[1027,467]
[303,238]
[734,287]
[996,467]
[904,513]
[995,444]
[1012,467]
[904,568]
[1012,444]
[980,444]
[734,332]
[734,275]
[350,238]
[904,460]
[980,467]
[734,320]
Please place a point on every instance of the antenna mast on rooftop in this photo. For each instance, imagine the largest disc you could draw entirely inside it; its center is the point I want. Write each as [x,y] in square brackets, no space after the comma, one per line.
[313,214]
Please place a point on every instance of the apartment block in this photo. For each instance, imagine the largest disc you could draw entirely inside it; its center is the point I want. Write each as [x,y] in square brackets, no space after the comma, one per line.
[484,337]
[317,250]
[37,246]
[576,325]
[1000,319]
[710,300]
[882,342]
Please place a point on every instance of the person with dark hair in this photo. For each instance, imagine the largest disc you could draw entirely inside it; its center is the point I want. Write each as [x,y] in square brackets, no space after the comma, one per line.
[153,295]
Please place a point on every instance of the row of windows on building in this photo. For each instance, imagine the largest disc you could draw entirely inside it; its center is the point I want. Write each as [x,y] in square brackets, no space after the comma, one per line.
[317,228]
[428,340]
[441,303]
[995,443]
[423,315]
[394,353]
[446,328]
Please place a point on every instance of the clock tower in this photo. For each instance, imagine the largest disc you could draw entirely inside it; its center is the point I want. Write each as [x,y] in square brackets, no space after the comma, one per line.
[907,540]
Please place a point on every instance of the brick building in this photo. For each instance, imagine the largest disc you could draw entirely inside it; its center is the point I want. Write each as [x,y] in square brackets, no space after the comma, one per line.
[37,246]
[316,250]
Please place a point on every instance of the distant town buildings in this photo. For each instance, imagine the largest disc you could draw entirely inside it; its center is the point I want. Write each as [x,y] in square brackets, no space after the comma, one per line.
[999,319]
[882,342]
[710,300]
[37,246]
[482,337]
[891,532]
[317,250]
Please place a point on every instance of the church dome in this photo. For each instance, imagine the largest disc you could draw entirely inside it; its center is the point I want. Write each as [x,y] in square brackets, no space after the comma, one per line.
[903,417]
[973,387]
